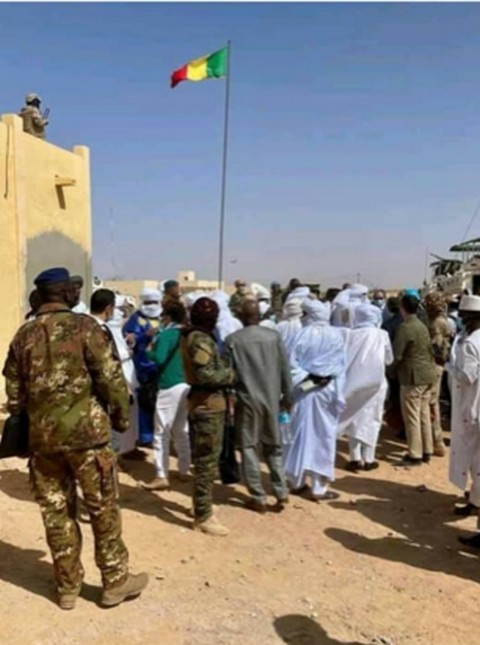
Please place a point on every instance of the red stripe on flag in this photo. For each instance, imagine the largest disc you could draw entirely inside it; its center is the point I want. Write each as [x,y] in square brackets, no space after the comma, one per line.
[178,76]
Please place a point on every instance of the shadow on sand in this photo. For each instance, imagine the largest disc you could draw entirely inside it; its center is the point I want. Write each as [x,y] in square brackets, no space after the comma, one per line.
[296,629]
[26,569]
[418,520]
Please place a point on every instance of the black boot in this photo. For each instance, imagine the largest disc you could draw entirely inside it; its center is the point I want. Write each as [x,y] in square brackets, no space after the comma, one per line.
[466,511]
[473,542]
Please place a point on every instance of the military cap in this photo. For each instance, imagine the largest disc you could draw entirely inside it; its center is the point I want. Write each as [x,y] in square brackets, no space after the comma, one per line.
[169,284]
[32,97]
[77,279]
[52,276]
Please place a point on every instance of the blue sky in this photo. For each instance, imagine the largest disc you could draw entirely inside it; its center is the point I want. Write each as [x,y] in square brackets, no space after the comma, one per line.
[355,132]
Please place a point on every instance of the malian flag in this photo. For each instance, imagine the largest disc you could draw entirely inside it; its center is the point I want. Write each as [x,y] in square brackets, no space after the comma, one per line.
[211,66]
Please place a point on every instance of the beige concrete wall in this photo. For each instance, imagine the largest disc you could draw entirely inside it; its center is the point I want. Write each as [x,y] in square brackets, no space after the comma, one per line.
[43,224]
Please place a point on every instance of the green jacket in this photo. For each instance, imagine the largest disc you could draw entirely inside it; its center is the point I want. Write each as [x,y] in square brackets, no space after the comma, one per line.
[62,371]
[414,362]
[167,355]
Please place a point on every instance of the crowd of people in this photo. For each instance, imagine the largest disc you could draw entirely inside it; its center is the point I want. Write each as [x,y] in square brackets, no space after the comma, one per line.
[275,375]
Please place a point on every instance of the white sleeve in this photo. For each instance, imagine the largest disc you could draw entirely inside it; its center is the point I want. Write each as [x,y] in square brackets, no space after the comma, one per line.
[388,349]
[467,368]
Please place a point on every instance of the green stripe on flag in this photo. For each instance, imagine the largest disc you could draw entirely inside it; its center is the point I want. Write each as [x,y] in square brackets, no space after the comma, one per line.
[217,64]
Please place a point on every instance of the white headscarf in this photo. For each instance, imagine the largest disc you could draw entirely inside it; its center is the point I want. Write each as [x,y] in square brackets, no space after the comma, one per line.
[152,310]
[262,293]
[358,292]
[118,315]
[344,305]
[299,293]
[263,307]
[292,309]
[192,297]
[367,315]
[227,323]
[317,313]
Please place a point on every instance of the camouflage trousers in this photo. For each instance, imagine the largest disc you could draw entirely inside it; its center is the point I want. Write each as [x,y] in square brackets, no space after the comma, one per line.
[206,435]
[54,480]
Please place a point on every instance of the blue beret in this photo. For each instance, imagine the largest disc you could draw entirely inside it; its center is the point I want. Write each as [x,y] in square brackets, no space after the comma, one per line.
[52,276]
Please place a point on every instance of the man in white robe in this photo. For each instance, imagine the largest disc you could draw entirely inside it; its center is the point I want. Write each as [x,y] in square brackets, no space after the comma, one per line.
[318,371]
[124,443]
[291,323]
[369,351]
[464,368]
[343,307]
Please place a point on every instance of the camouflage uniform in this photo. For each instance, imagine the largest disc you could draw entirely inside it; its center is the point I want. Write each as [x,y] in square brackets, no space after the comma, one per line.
[236,302]
[277,304]
[207,375]
[33,122]
[61,370]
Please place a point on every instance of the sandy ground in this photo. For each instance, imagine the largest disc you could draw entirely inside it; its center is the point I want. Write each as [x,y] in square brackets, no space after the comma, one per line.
[380,565]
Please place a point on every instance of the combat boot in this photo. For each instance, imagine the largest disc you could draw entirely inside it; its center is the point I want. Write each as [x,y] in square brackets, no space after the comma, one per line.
[159,483]
[211,526]
[131,588]
[67,601]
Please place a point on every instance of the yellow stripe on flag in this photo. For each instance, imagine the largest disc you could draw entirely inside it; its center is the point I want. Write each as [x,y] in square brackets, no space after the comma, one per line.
[197,69]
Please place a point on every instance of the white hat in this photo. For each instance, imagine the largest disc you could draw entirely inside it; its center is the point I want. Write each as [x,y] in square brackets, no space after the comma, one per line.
[470,303]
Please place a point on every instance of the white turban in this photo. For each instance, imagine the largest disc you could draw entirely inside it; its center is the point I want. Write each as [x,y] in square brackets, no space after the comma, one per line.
[292,309]
[153,295]
[263,293]
[358,292]
[299,292]
[221,298]
[367,315]
[191,298]
[317,313]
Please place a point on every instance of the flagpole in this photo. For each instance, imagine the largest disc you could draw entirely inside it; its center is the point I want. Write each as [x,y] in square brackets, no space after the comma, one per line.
[224,171]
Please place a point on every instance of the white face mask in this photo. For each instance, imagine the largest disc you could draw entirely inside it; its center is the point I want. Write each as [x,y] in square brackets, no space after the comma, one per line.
[151,311]
[263,307]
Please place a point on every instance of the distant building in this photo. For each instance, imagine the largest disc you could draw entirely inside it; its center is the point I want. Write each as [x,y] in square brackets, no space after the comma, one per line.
[187,280]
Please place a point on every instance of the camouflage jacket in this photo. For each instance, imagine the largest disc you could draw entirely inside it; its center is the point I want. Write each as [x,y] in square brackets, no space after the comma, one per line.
[33,122]
[62,371]
[236,302]
[205,372]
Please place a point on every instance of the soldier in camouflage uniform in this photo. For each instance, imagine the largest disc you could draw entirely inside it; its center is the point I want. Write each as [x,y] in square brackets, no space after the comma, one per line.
[208,376]
[33,121]
[238,297]
[61,370]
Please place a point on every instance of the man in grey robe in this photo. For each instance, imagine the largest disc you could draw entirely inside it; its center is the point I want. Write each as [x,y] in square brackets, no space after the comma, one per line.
[264,386]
